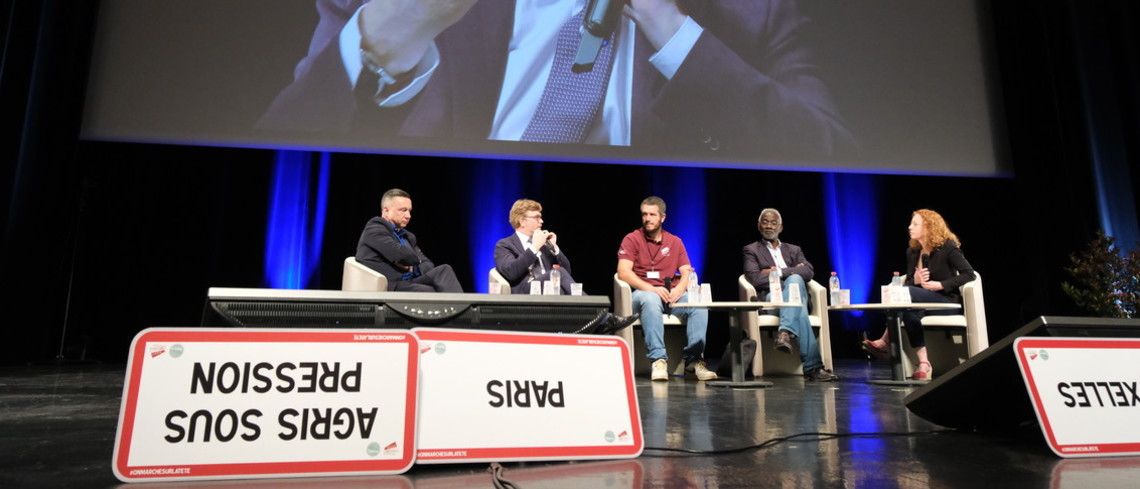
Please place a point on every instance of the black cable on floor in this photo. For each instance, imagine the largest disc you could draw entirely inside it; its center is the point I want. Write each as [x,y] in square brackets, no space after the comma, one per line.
[497,470]
[816,436]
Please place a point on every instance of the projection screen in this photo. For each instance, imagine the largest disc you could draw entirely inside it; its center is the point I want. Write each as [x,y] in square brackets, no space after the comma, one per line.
[884,86]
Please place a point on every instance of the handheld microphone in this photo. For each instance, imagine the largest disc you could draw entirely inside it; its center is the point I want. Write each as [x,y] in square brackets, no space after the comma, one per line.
[547,243]
[601,19]
[925,260]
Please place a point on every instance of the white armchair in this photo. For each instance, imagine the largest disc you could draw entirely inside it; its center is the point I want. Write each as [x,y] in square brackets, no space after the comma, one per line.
[763,327]
[360,278]
[675,337]
[951,340]
[494,277]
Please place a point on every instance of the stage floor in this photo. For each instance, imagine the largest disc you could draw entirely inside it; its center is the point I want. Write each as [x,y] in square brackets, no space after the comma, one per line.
[57,428]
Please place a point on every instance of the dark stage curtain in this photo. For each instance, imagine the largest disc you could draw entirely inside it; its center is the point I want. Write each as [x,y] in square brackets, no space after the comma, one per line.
[103,239]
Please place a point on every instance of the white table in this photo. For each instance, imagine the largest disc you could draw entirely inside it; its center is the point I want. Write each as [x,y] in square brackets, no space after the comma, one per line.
[736,334]
[894,317]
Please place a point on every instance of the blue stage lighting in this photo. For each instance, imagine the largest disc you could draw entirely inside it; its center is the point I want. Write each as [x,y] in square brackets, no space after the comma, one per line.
[863,418]
[1115,201]
[498,184]
[685,211]
[851,211]
[296,225]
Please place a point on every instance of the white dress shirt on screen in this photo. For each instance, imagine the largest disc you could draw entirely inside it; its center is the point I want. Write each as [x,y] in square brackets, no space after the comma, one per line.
[530,56]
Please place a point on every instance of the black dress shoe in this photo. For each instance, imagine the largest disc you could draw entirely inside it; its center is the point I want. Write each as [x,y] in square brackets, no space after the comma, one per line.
[820,375]
[783,342]
[614,323]
[592,327]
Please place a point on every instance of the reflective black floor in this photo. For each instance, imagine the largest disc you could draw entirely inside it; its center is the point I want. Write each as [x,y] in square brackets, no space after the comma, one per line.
[57,427]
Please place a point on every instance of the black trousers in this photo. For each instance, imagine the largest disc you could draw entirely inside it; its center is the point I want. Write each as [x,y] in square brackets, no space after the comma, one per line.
[912,320]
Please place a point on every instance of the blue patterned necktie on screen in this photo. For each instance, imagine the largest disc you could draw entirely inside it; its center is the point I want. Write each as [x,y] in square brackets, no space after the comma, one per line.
[570,100]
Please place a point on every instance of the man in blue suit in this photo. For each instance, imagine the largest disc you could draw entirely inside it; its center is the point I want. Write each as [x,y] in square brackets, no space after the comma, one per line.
[530,254]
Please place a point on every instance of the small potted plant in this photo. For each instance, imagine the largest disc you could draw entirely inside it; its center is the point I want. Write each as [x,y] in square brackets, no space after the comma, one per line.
[1106,282]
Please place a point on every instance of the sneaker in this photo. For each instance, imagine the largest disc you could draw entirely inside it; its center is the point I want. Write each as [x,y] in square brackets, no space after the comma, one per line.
[783,342]
[660,369]
[698,367]
[820,375]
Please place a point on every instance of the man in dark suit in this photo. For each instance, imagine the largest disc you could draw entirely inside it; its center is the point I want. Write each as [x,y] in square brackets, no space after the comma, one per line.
[530,254]
[389,248]
[694,77]
[759,258]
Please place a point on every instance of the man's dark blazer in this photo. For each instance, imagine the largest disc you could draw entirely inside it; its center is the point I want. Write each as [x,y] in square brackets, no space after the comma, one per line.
[757,258]
[379,249]
[748,87]
[947,265]
[513,262]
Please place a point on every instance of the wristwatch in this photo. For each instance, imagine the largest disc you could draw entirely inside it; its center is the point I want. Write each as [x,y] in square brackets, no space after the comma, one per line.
[383,75]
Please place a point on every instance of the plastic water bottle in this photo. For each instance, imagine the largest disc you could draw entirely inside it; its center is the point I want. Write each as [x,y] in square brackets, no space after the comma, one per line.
[694,289]
[774,285]
[556,280]
[896,280]
[833,287]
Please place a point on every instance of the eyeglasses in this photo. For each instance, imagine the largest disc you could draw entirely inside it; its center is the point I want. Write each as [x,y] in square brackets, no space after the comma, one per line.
[537,218]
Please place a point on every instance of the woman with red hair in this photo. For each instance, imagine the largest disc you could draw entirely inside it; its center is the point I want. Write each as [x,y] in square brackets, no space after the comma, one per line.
[936,268]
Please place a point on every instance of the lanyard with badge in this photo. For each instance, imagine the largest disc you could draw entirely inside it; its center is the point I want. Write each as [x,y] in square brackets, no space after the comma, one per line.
[653,274]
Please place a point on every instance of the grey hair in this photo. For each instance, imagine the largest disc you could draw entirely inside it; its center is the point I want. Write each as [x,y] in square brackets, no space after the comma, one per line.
[779,218]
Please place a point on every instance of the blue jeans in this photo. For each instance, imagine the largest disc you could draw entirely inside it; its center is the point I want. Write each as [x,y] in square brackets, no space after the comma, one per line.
[795,321]
[651,308]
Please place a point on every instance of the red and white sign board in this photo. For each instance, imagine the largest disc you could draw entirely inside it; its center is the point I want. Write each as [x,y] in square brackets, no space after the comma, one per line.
[203,403]
[501,396]
[1086,393]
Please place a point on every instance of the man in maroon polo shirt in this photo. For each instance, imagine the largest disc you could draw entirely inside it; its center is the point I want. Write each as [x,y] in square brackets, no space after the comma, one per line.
[649,260]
